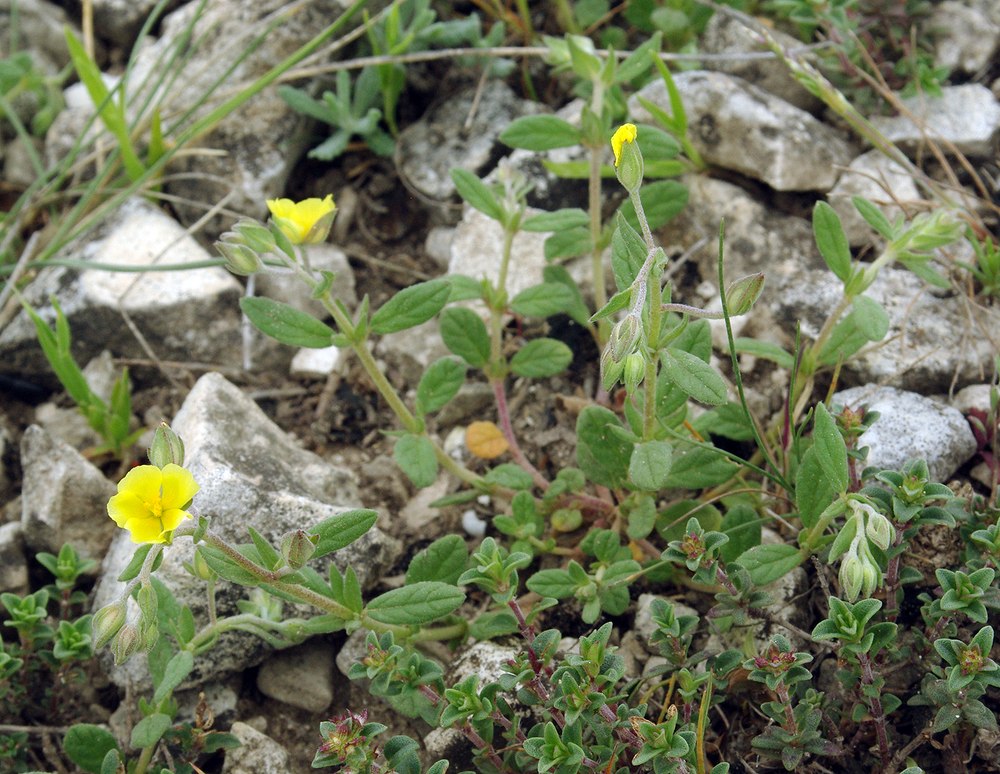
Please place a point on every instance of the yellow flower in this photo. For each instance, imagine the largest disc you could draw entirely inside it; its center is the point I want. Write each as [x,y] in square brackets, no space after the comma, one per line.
[306,222]
[150,502]
[625,133]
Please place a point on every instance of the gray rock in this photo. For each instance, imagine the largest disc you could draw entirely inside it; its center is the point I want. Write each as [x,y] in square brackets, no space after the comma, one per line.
[911,426]
[220,698]
[757,238]
[183,315]
[301,676]
[8,463]
[251,474]
[18,170]
[934,343]
[263,139]
[966,116]
[975,397]
[739,126]
[64,498]
[882,181]
[412,350]
[438,245]
[964,37]
[352,651]
[725,34]
[289,289]
[39,30]
[68,425]
[443,138]
[319,363]
[119,21]
[13,563]
[476,250]
[257,753]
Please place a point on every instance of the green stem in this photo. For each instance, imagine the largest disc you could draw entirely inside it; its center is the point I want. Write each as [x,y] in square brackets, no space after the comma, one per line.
[654,320]
[596,256]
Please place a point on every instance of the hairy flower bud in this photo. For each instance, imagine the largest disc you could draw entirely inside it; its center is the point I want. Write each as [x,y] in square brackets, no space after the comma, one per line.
[256,235]
[107,622]
[126,643]
[297,547]
[611,370]
[240,259]
[167,447]
[628,158]
[635,371]
[624,336]
[743,293]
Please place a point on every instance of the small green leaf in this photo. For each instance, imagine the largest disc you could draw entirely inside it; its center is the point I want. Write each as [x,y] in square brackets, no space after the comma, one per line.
[540,133]
[577,309]
[415,604]
[767,564]
[649,468]
[286,323]
[226,568]
[511,476]
[267,555]
[541,357]
[628,253]
[831,240]
[694,376]
[149,730]
[765,350]
[439,384]
[552,583]
[415,456]
[178,668]
[560,220]
[411,306]
[86,745]
[477,193]
[831,451]
[341,530]
[867,321]
[443,560]
[873,216]
[568,244]
[543,300]
[601,453]
[698,467]
[464,333]
[741,525]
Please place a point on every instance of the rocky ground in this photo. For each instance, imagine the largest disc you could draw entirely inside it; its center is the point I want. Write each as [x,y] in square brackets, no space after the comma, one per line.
[278,437]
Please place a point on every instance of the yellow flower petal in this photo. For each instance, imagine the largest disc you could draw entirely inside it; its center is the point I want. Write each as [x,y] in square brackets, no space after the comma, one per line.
[145,531]
[178,486]
[305,222]
[143,482]
[172,519]
[125,506]
[625,133]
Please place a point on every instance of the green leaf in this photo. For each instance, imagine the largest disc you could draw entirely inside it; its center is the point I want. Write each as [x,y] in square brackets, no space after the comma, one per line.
[443,560]
[415,456]
[698,467]
[568,244]
[649,468]
[552,583]
[267,555]
[656,144]
[86,745]
[463,288]
[813,489]
[135,563]
[577,308]
[415,604]
[867,321]
[496,623]
[439,384]
[540,133]
[411,306]
[464,333]
[541,357]
[477,193]
[767,564]
[149,730]
[226,568]
[694,376]
[286,323]
[560,220]
[765,350]
[601,453]
[638,62]
[628,253]
[616,303]
[178,668]
[873,216]
[511,476]
[543,300]
[341,530]
[661,201]
[742,526]
[831,451]
[831,240]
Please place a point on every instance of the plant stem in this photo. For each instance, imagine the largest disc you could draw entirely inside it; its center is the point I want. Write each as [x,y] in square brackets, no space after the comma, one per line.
[503,414]
[875,703]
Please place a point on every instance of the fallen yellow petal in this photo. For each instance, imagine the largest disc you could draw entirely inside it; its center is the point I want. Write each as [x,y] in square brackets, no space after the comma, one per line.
[485,440]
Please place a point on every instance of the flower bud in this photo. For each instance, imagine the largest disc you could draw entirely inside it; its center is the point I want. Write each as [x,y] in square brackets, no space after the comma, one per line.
[126,643]
[635,371]
[147,601]
[297,547]
[852,575]
[629,168]
[240,259]
[256,235]
[611,370]
[879,530]
[624,337]
[167,447]
[199,567]
[148,635]
[107,622]
[743,293]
